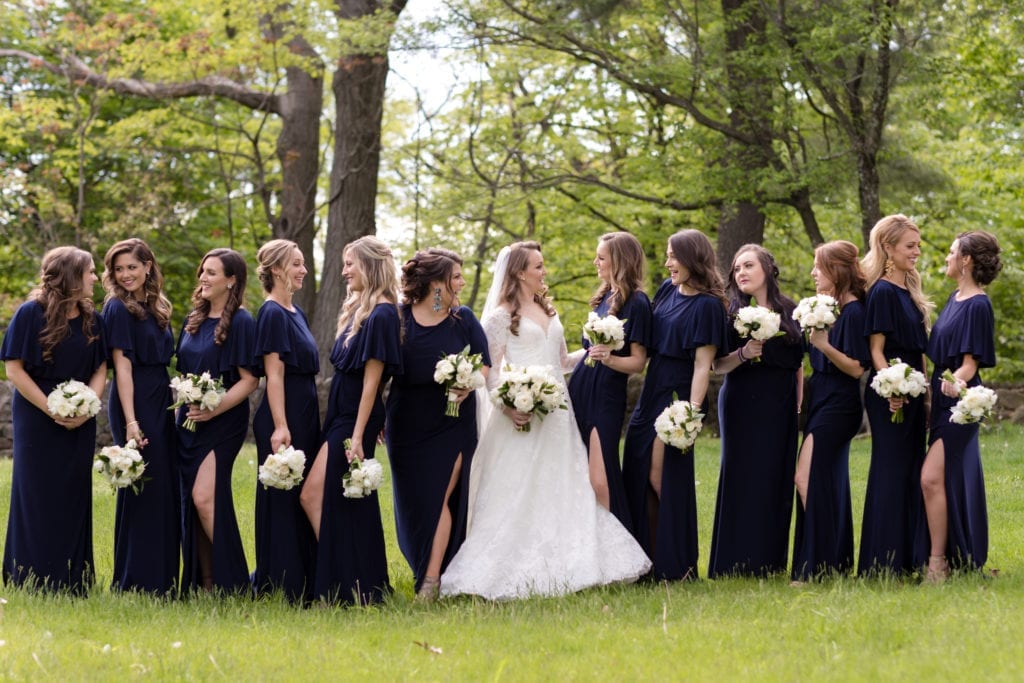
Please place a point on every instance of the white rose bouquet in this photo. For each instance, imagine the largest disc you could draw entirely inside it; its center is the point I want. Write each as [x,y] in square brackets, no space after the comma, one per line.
[975,404]
[73,399]
[197,390]
[679,424]
[458,371]
[757,322]
[607,330]
[899,380]
[283,469]
[121,466]
[363,476]
[818,312]
[531,389]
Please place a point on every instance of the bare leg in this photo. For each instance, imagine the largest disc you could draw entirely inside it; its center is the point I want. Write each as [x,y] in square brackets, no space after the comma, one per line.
[803,468]
[204,498]
[432,580]
[933,487]
[312,496]
[598,475]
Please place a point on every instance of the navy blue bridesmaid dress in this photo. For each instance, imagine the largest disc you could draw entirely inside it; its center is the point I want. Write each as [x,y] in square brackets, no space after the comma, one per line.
[49,529]
[222,436]
[424,443]
[147,524]
[285,543]
[681,325]
[823,538]
[892,534]
[351,565]
[598,396]
[757,414]
[963,327]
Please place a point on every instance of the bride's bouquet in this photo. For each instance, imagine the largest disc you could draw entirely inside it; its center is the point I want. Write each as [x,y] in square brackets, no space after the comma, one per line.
[757,322]
[899,380]
[818,312]
[73,399]
[679,424]
[975,404]
[121,466]
[283,469]
[607,330]
[197,390]
[530,389]
[363,476]
[458,371]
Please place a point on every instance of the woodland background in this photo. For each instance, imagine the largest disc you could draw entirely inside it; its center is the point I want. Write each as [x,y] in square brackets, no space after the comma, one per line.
[786,122]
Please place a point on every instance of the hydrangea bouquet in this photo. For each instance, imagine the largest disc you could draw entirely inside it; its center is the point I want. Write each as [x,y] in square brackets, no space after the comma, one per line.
[679,424]
[975,404]
[607,330]
[460,370]
[198,390]
[530,389]
[283,469]
[818,312]
[121,466]
[73,399]
[363,476]
[899,380]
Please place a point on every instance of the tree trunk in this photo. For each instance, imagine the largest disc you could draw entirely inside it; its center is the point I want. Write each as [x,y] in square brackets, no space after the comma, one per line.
[867,190]
[740,223]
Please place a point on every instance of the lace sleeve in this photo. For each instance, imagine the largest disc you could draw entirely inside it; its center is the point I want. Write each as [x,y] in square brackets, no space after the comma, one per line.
[496,327]
[570,360]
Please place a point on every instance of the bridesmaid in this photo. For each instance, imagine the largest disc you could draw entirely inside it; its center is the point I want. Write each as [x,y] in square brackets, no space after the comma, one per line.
[823,539]
[962,342]
[598,393]
[137,321]
[896,322]
[217,338]
[351,566]
[288,415]
[53,337]
[431,453]
[689,328]
[757,411]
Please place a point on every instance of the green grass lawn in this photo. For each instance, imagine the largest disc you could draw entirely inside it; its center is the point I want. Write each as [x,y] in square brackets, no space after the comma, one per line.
[736,629]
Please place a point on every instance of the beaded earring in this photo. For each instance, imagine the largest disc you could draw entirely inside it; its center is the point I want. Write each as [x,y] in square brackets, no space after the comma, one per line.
[437,300]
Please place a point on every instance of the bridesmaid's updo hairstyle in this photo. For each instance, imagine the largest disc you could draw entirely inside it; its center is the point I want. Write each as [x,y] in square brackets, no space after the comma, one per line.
[274,254]
[426,267]
[518,262]
[983,248]
[380,279]
[61,291]
[626,260]
[886,234]
[777,301]
[693,250]
[156,302]
[838,260]
[234,266]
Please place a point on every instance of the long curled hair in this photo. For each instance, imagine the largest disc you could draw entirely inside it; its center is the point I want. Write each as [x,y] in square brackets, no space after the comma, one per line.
[983,248]
[777,301]
[60,292]
[518,262]
[626,260]
[377,268]
[274,254]
[838,261]
[887,233]
[156,302]
[425,267]
[234,266]
[693,250]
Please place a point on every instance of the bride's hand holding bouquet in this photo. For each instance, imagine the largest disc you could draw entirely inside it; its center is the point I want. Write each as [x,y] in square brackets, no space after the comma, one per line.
[528,391]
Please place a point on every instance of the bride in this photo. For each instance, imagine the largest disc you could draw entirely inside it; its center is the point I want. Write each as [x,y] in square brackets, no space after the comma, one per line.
[535,526]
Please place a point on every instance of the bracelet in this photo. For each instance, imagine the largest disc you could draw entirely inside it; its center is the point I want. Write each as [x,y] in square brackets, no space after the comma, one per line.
[739,354]
[133,422]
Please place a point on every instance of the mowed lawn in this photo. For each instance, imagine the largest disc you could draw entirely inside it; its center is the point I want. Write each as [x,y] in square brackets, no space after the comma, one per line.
[969,629]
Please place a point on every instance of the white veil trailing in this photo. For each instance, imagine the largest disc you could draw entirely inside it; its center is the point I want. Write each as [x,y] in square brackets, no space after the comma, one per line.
[494,293]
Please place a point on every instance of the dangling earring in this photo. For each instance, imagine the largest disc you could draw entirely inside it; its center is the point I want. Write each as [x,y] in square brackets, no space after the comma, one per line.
[437,300]
[889,266]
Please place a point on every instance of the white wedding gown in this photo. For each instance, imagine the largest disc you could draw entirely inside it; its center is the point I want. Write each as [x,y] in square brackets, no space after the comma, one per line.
[535,525]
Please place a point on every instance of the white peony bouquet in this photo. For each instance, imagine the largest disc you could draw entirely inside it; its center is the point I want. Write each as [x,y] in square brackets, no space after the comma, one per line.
[607,330]
[198,390]
[975,404]
[363,476]
[818,312]
[679,424]
[73,399]
[458,371]
[757,322]
[121,466]
[531,389]
[283,469]
[899,380]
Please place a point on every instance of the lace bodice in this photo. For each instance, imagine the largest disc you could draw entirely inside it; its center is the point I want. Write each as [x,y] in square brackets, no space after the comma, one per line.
[532,346]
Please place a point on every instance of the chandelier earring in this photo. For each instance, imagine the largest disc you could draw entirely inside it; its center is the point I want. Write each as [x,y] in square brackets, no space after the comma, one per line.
[437,300]
[889,266]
